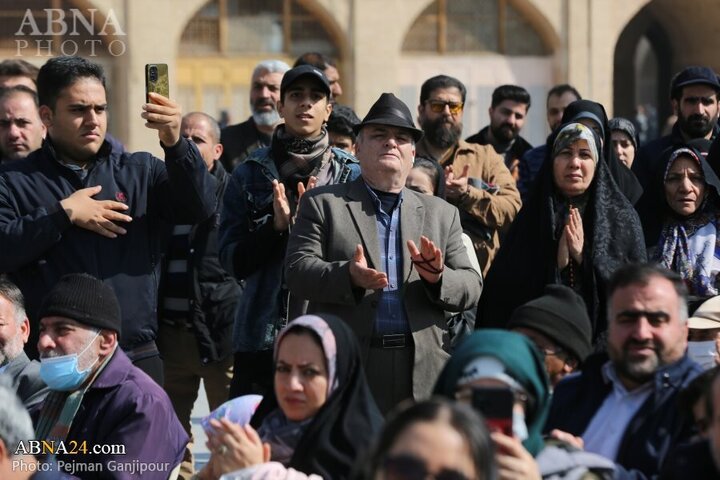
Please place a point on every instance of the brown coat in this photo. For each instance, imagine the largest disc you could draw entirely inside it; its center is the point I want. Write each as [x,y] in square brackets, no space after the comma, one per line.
[495,211]
[333,220]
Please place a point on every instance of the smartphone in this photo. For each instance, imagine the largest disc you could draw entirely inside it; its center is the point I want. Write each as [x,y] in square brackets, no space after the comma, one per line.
[156,80]
[496,405]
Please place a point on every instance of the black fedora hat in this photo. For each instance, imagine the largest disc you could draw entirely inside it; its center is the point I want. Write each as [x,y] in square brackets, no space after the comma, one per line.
[390,110]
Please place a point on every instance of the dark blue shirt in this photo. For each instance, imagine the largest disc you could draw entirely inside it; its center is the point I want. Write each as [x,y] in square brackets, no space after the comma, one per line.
[391,317]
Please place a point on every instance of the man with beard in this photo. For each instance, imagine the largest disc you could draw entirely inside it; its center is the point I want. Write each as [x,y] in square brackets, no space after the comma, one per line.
[24,373]
[240,140]
[694,96]
[508,112]
[476,179]
[623,404]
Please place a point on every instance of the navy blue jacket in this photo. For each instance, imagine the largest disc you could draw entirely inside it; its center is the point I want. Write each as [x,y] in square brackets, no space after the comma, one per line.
[528,169]
[214,293]
[657,427]
[38,243]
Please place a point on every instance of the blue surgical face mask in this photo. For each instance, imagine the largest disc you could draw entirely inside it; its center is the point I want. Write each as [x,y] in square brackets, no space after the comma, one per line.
[61,373]
[519,427]
[703,353]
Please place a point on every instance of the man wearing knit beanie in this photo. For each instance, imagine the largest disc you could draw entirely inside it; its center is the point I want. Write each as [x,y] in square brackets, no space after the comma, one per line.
[558,324]
[97,397]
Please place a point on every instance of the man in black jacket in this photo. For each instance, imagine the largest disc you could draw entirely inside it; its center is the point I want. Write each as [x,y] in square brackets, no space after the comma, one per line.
[694,93]
[197,298]
[79,205]
[508,112]
[624,407]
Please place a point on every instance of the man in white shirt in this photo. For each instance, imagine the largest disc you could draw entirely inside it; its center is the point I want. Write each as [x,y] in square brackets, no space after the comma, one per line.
[622,405]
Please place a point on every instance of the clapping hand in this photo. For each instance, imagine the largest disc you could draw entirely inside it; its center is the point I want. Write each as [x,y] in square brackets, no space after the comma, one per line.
[428,259]
[363,276]
[455,187]
[233,447]
[281,203]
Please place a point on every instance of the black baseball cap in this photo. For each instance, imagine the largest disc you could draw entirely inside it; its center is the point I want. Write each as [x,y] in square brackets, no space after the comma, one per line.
[294,74]
[694,75]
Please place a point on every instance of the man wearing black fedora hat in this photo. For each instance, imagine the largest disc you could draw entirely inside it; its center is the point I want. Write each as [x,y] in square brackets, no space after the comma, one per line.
[386,259]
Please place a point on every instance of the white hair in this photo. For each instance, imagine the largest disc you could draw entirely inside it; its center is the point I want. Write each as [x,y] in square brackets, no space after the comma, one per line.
[271,66]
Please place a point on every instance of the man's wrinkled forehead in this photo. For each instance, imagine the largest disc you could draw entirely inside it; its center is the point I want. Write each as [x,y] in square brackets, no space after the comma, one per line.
[57,322]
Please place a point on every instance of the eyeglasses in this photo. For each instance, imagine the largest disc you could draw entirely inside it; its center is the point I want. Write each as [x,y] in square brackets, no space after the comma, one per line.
[549,351]
[408,467]
[438,106]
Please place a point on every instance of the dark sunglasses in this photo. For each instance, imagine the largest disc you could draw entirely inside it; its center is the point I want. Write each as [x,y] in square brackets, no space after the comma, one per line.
[408,467]
[438,106]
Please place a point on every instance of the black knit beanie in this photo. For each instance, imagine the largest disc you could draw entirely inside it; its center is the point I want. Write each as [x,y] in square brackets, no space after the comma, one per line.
[85,299]
[560,314]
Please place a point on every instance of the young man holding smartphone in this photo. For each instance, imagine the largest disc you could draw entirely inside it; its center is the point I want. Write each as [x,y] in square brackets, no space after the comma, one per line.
[259,207]
[78,205]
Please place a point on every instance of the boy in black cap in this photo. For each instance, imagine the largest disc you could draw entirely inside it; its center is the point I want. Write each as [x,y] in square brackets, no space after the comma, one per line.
[259,207]
[386,259]
[558,323]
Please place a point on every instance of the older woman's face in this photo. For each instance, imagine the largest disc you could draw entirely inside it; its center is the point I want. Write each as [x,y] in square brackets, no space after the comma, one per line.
[574,169]
[684,186]
[301,377]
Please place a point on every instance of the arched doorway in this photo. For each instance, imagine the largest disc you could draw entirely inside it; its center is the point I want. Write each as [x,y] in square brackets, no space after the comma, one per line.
[483,44]
[658,42]
[225,39]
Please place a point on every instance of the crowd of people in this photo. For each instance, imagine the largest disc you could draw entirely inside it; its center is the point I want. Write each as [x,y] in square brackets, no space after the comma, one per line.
[361,298]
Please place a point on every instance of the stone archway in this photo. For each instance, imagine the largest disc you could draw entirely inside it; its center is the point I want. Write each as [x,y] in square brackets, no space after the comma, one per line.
[215,76]
[662,38]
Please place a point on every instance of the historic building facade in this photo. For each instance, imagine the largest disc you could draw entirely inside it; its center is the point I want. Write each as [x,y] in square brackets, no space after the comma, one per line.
[619,52]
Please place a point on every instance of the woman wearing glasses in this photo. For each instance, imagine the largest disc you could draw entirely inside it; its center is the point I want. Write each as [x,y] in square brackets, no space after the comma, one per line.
[436,439]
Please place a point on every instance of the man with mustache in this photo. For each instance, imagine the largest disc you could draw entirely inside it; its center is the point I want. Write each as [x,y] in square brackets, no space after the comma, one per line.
[240,140]
[694,94]
[97,397]
[623,404]
[476,179]
[508,112]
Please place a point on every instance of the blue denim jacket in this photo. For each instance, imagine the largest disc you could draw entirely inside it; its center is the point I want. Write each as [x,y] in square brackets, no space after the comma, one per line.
[252,250]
